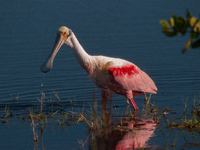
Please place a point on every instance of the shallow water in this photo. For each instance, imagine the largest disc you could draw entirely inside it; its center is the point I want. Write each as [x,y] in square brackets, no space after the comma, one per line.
[129,30]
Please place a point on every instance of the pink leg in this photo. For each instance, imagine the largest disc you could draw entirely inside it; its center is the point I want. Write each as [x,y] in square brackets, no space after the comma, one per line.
[134,104]
[129,95]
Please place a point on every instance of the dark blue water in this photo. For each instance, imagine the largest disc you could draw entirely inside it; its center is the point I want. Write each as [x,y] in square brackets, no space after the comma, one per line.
[125,29]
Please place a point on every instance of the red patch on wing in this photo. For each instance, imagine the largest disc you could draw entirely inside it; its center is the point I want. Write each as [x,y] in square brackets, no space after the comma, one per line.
[125,70]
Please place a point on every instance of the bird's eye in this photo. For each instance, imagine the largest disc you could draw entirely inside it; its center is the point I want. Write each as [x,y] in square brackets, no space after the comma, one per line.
[64,32]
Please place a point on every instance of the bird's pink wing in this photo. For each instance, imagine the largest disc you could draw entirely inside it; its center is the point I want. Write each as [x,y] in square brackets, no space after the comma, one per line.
[130,77]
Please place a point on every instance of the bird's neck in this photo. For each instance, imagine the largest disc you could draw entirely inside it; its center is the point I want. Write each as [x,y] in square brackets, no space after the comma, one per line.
[83,58]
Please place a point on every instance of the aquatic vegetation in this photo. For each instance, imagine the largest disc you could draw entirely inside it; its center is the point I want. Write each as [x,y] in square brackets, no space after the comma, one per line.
[113,124]
[56,95]
[15,98]
[35,135]
[187,121]
[7,112]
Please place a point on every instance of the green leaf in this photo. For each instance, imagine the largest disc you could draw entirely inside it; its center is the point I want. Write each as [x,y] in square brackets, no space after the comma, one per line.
[175,22]
[164,24]
[168,32]
[188,14]
[192,21]
[187,45]
[195,24]
[194,35]
[181,23]
[196,44]
[171,22]
[174,17]
[197,27]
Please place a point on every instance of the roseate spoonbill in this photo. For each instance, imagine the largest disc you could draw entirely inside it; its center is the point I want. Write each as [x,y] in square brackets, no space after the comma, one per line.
[111,75]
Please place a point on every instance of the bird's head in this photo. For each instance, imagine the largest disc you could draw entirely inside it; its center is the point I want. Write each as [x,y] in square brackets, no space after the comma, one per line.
[63,32]
[62,35]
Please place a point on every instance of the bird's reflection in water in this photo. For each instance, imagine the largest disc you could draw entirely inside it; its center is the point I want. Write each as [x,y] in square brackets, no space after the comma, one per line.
[131,133]
[136,134]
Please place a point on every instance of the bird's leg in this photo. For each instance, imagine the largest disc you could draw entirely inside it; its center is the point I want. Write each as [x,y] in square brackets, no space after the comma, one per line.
[133,104]
[105,95]
[129,95]
[104,100]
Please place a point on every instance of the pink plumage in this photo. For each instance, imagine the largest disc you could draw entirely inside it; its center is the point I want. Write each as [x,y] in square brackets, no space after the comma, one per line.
[112,75]
[130,82]
[115,75]
[130,77]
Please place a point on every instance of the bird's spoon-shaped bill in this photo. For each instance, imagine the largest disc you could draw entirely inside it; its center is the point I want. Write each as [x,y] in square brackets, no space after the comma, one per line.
[48,64]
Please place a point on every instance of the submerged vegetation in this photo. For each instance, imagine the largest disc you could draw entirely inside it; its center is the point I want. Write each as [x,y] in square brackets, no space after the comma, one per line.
[103,129]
